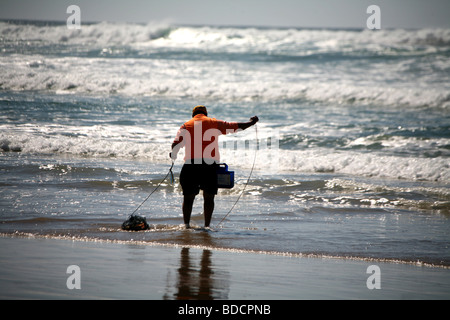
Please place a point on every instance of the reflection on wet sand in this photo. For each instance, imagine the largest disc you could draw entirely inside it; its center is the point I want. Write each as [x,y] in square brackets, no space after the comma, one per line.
[198,278]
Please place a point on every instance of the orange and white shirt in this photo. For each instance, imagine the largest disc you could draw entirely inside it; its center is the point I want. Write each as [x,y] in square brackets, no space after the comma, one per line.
[200,137]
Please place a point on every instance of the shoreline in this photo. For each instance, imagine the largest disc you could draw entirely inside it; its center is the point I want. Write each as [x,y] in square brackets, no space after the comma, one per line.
[419,264]
[37,268]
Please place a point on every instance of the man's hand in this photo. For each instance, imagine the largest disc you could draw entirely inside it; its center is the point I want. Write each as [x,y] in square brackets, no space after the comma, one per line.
[245,125]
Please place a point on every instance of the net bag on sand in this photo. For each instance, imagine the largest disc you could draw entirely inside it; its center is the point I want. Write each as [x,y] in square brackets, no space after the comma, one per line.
[135,223]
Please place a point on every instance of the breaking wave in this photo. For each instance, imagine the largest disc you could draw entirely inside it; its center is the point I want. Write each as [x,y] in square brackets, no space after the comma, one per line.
[267,40]
[116,142]
[230,64]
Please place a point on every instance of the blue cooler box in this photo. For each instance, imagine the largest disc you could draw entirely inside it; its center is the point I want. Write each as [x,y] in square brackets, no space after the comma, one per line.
[225,178]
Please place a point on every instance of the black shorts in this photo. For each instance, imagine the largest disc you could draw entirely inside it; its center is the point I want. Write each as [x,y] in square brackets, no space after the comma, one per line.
[194,177]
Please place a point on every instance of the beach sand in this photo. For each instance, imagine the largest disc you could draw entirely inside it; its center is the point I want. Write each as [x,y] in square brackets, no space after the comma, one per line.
[37,268]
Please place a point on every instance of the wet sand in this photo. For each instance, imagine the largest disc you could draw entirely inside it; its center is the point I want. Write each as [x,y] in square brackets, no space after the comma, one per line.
[37,268]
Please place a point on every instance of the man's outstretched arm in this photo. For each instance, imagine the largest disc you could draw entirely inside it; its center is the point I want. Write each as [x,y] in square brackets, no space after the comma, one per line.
[245,125]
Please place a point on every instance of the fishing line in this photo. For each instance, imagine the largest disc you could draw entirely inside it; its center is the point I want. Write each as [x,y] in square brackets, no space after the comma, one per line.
[248,180]
[168,173]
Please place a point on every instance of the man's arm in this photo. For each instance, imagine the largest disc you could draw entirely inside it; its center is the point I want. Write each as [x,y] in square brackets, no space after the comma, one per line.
[245,125]
[174,152]
[177,143]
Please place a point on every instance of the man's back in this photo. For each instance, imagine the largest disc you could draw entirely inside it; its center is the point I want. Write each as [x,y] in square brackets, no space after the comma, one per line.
[200,136]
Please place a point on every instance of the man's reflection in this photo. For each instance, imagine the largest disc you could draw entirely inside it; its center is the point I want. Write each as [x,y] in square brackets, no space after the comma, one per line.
[199,281]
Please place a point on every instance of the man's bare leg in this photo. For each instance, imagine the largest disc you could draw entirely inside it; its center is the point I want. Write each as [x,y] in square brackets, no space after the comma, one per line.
[208,207]
[188,202]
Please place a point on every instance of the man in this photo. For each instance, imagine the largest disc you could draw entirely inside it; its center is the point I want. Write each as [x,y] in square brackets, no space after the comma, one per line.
[200,137]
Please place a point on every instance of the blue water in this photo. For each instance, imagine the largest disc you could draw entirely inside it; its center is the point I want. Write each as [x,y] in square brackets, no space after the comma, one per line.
[354,139]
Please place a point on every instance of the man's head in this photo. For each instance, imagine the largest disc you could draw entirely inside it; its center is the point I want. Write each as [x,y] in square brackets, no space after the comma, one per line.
[198,110]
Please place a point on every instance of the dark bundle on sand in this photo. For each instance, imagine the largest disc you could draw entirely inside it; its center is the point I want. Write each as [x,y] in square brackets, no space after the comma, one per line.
[135,223]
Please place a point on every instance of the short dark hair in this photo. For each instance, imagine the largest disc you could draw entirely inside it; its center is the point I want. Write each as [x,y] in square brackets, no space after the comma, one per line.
[199,109]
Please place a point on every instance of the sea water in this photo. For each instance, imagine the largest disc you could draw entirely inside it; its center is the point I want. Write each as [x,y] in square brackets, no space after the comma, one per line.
[350,157]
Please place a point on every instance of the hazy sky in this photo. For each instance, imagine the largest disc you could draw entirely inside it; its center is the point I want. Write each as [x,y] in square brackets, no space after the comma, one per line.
[290,13]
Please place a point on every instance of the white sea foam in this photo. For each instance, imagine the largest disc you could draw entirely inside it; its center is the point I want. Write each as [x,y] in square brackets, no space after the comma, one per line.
[90,34]
[369,165]
[161,32]
[293,41]
[229,81]
[320,66]
[116,141]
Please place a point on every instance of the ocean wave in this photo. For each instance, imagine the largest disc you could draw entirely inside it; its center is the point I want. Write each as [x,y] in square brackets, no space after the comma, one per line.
[227,81]
[315,160]
[37,142]
[424,142]
[347,162]
[91,34]
[387,68]
[327,187]
[226,38]
[366,164]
